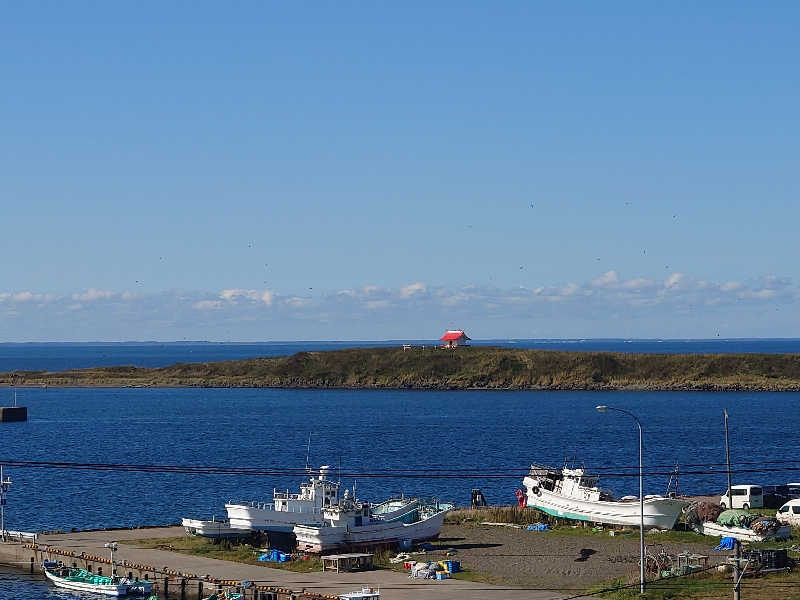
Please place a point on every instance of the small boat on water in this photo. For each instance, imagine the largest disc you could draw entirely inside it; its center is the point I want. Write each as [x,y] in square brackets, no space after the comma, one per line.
[217,530]
[573,494]
[82,580]
[286,510]
[353,523]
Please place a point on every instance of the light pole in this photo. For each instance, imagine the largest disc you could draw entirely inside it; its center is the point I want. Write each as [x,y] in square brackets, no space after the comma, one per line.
[4,485]
[603,408]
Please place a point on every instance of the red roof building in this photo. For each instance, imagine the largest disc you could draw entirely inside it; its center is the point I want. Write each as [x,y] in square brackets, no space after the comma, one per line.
[453,338]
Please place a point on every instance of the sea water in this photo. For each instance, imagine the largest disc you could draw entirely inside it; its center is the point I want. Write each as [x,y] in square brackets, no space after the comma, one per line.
[443,443]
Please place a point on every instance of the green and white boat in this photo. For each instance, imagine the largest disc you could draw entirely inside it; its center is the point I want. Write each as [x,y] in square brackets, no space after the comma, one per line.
[81,580]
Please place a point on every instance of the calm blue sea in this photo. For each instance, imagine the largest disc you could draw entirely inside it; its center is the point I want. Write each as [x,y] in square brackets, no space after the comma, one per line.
[463,433]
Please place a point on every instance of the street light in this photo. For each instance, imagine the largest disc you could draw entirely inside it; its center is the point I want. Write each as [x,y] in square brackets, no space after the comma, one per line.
[603,408]
[4,485]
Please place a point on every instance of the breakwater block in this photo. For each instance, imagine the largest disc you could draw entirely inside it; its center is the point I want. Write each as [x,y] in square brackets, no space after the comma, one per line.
[10,414]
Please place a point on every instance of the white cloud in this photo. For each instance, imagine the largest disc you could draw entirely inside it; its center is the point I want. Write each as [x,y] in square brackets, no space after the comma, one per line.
[609,297]
[606,279]
[412,289]
[638,284]
[234,295]
[297,302]
[673,280]
[730,286]
[208,304]
[93,294]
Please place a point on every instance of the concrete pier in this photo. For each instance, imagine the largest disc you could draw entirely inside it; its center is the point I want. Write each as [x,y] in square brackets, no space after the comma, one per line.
[187,577]
[9,414]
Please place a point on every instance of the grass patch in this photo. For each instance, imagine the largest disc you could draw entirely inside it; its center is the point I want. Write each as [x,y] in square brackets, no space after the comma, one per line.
[477,577]
[464,368]
[705,585]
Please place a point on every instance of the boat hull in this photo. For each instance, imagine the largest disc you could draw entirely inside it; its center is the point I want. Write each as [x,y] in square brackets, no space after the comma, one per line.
[660,513]
[253,518]
[106,590]
[217,530]
[320,538]
[742,533]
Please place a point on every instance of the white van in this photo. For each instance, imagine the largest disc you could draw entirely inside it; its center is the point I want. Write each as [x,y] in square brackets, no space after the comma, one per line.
[744,496]
[789,513]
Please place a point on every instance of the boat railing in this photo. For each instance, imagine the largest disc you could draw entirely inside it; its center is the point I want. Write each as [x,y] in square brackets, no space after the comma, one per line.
[543,471]
[252,504]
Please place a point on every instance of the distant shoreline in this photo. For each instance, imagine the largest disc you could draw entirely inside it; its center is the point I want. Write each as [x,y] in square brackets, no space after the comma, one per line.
[464,368]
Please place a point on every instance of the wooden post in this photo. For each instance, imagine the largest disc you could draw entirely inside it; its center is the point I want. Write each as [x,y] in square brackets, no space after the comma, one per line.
[31,565]
[183,589]
[200,589]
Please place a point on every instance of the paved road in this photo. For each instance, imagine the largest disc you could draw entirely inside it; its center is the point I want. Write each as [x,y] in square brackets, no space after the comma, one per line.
[393,586]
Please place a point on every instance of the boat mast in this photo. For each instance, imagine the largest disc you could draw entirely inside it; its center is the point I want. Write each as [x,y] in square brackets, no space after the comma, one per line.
[308,453]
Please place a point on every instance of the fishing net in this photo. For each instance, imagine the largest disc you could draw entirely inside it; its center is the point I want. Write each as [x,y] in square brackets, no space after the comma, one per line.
[700,512]
[764,525]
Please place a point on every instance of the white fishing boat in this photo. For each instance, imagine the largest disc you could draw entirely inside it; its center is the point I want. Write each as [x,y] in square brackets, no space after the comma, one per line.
[214,529]
[743,534]
[286,510]
[573,494]
[355,524]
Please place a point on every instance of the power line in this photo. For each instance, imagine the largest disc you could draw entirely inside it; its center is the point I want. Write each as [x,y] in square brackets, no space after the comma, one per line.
[371,474]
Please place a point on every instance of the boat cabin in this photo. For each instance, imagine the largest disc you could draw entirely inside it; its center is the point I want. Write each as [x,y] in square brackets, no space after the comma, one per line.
[318,493]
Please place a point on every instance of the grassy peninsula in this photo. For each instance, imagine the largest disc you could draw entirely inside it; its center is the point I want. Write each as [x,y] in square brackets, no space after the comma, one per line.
[463,368]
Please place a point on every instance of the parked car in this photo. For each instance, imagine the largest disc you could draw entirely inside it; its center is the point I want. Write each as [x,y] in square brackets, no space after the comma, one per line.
[744,496]
[789,513]
[775,495]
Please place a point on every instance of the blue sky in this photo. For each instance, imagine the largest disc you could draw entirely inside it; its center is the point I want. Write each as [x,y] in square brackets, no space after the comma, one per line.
[364,170]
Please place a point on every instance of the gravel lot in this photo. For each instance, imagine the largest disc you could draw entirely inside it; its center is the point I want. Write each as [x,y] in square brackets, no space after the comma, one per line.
[554,559]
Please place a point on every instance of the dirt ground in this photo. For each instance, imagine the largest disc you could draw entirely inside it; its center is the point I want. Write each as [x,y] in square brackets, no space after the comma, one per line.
[554,558]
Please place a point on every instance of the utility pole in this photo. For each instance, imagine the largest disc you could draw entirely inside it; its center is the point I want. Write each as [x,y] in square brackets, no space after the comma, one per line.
[4,484]
[737,579]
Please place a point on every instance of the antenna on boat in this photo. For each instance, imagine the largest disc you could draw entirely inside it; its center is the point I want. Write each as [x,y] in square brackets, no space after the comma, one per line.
[308,453]
[339,475]
[673,477]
